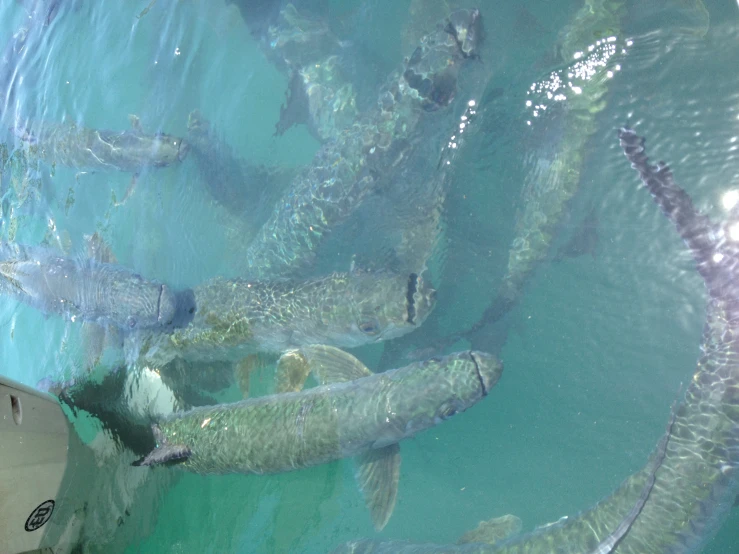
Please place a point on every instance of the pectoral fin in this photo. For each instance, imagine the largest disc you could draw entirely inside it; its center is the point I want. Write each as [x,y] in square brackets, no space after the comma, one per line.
[493,530]
[135,123]
[333,365]
[93,341]
[98,249]
[292,371]
[378,472]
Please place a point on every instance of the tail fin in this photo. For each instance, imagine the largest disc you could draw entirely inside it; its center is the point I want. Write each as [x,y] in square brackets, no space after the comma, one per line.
[164,453]
[714,247]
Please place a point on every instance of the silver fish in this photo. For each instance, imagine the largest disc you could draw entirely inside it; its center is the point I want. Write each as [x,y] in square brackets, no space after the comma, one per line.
[346,170]
[352,413]
[236,317]
[81,147]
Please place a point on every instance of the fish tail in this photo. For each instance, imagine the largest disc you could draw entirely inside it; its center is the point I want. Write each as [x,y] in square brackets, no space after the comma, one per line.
[164,453]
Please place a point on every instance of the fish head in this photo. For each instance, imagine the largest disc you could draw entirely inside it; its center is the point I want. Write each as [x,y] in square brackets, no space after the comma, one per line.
[466,27]
[488,367]
[183,149]
[136,303]
[167,149]
[423,394]
[391,305]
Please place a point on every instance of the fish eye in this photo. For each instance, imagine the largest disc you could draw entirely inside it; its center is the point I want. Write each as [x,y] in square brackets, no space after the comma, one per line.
[447,412]
[131,322]
[369,327]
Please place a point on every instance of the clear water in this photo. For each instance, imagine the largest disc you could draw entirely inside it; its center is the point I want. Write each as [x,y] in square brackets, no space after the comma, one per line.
[596,349]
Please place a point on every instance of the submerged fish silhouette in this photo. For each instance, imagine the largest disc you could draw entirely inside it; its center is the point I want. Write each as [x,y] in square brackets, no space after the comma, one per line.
[583,241]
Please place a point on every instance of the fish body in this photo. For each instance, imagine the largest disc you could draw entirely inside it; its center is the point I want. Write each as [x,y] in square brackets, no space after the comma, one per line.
[565,103]
[347,168]
[84,290]
[83,148]
[290,431]
[235,317]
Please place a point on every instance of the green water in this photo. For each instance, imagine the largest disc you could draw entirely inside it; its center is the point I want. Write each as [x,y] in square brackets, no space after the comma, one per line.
[596,349]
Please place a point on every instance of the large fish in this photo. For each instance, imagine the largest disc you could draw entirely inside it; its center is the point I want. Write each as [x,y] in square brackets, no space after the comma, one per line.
[568,101]
[237,317]
[85,290]
[345,170]
[352,413]
[83,148]
[696,482]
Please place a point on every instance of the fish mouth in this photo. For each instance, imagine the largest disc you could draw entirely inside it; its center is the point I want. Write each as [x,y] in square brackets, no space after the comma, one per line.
[410,298]
[479,375]
[159,304]
[488,369]
[183,150]
[467,29]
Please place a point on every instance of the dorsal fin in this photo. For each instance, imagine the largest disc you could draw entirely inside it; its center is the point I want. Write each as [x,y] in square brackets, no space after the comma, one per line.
[327,363]
[292,371]
[98,249]
[332,365]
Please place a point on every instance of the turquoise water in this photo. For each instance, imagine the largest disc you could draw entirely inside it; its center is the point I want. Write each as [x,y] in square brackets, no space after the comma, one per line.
[594,352]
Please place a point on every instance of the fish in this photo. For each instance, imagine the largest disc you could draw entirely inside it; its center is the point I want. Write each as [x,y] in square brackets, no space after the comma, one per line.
[352,413]
[85,290]
[491,534]
[347,169]
[233,318]
[570,108]
[584,241]
[560,130]
[80,147]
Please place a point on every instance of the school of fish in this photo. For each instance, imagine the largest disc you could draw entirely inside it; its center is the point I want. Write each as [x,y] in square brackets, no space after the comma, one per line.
[180,347]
